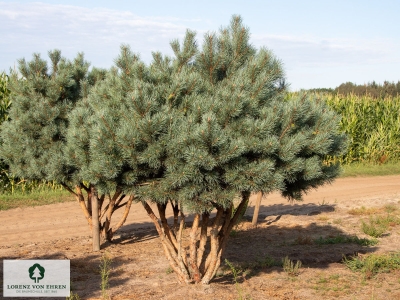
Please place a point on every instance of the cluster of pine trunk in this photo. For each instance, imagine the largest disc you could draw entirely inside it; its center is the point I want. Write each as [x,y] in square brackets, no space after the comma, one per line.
[197,258]
[96,207]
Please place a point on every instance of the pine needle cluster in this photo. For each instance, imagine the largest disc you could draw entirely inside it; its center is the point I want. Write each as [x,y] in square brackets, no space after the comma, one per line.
[203,126]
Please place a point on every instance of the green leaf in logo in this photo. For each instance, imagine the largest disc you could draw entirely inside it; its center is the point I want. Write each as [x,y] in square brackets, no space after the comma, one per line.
[36,272]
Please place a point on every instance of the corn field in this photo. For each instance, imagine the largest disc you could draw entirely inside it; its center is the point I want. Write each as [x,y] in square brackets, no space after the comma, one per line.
[4,107]
[372,124]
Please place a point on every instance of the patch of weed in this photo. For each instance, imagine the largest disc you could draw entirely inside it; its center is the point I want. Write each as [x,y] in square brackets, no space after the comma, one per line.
[377,226]
[322,280]
[337,221]
[373,229]
[235,273]
[363,211]
[345,240]
[323,203]
[73,296]
[390,208]
[234,233]
[267,262]
[334,277]
[323,218]
[291,268]
[105,268]
[303,240]
[374,263]
[259,263]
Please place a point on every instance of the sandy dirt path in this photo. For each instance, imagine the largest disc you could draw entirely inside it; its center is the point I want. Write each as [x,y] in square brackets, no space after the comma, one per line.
[50,222]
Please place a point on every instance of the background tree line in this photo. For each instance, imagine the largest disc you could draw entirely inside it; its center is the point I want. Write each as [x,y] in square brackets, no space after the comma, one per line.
[372,89]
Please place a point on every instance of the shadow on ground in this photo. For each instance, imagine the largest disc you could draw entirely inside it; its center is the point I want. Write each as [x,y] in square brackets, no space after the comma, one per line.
[309,209]
[261,250]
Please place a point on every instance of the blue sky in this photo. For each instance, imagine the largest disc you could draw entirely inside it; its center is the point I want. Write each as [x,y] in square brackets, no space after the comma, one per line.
[321,43]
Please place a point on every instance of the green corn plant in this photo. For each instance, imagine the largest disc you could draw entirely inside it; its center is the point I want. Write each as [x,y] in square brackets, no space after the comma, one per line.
[4,107]
[4,99]
[372,124]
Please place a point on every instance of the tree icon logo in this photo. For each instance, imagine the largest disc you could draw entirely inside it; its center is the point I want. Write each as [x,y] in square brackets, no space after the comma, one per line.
[36,272]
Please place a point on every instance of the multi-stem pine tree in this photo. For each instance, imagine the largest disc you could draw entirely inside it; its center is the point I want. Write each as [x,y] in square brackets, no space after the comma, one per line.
[201,131]
[34,137]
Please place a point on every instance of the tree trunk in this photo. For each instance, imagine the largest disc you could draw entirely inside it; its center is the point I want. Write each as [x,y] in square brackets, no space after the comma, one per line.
[175,208]
[108,212]
[95,220]
[121,222]
[87,207]
[256,209]
[202,263]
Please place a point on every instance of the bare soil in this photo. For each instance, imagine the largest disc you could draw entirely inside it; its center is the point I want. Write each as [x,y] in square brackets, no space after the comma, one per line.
[139,269]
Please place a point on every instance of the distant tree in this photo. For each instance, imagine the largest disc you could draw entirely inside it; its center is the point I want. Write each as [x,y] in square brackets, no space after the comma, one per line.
[319,90]
[201,131]
[34,137]
[387,89]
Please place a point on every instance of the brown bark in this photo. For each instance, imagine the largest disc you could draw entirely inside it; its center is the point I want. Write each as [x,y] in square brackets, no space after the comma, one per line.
[193,251]
[181,251]
[110,210]
[256,209]
[197,267]
[101,201]
[168,248]
[175,208]
[211,260]
[95,216]
[164,222]
[81,200]
[123,218]
[239,210]
[118,202]
[88,202]
[227,220]
[203,239]
[223,238]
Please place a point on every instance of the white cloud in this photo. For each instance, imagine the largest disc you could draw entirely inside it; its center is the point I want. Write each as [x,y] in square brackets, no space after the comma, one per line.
[307,51]
[310,61]
[38,27]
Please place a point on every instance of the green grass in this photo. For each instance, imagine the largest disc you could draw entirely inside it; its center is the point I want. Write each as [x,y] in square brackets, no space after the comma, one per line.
[345,240]
[73,296]
[19,199]
[357,169]
[377,226]
[105,269]
[374,263]
[291,268]
[235,273]
[363,211]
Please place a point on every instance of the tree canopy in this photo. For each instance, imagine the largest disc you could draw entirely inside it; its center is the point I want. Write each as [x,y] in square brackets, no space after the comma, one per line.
[34,138]
[202,130]
[203,126]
